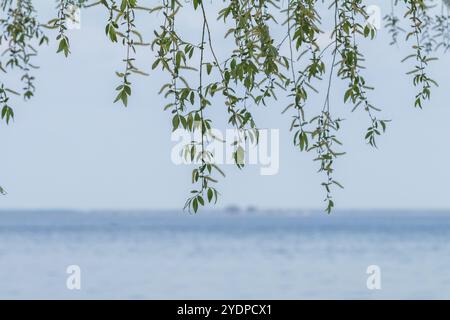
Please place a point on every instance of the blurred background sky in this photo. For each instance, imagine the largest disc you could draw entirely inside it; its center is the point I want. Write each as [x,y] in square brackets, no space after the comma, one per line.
[71,147]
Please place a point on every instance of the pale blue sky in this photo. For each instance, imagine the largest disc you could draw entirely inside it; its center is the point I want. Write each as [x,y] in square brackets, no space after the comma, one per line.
[71,147]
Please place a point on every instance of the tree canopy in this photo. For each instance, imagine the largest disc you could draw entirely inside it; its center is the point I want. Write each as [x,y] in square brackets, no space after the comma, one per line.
[253,73]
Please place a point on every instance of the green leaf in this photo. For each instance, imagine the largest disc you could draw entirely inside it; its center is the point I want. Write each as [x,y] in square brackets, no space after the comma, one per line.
[195,205]
[208,68]
[210,194]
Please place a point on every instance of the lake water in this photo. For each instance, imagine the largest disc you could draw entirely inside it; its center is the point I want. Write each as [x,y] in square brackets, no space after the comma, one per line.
[216,255]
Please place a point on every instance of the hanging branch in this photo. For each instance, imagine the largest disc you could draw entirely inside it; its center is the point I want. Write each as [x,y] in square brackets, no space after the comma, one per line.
[419,73]
[250,75]
[393,24]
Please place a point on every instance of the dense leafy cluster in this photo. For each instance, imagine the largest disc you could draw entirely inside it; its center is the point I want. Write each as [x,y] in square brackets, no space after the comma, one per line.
[253,73]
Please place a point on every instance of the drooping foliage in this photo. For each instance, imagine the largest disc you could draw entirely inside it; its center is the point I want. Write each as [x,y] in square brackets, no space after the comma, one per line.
[253,73]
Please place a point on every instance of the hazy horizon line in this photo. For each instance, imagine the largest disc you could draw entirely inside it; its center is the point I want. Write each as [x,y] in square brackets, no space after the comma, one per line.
[231,208]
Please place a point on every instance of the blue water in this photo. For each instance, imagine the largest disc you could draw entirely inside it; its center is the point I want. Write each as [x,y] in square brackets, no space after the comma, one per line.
[215,255]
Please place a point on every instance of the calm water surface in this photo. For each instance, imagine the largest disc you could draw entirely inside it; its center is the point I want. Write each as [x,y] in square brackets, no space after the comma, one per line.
[224,256]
